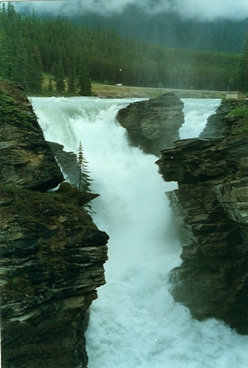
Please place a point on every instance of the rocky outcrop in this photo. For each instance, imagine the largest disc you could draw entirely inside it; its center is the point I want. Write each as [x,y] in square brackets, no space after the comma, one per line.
[153,124]
[212,197]
[51,255]
[67,161]
[25,159]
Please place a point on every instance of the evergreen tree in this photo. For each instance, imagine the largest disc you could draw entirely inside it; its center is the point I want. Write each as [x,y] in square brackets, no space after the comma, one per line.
[59,76]
[84,82]
[72,77]
[83,177]
[50,85]
[30,47]
[243,69]
[35,77]
[6,64]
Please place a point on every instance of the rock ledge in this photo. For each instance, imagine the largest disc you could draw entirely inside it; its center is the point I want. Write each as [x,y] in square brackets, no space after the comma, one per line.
[212,175]
[153,124]
[51,252]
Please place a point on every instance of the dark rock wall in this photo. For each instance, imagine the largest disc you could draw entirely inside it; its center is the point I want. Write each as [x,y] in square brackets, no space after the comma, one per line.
[67,161]
[153,124]
[212,174]
[25,158]
[51,253]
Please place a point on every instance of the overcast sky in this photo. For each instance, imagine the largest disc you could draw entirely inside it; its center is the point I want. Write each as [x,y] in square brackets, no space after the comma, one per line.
[204,10]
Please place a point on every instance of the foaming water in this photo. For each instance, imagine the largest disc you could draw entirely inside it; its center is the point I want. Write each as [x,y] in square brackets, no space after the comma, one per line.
[135,323]
[196,112]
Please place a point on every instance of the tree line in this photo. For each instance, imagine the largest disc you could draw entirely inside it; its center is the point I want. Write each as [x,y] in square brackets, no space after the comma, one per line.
[243,71]
[56,54]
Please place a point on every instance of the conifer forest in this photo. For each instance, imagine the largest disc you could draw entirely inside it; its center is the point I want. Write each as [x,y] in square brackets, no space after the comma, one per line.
[68,56]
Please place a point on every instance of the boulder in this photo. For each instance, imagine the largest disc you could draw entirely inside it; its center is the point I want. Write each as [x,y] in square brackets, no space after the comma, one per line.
[153,124]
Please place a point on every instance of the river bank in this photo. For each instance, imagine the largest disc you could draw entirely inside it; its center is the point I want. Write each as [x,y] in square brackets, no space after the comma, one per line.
[114,91]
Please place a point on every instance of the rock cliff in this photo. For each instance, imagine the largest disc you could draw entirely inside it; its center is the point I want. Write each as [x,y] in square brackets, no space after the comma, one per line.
[52,254]
[212,197]
[25,160]
[153,124]
[67,161]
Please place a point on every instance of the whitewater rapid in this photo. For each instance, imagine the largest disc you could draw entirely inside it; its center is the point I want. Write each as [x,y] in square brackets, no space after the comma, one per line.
[134,322]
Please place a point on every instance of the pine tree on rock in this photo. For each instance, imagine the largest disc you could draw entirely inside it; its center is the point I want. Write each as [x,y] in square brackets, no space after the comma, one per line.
[83,177]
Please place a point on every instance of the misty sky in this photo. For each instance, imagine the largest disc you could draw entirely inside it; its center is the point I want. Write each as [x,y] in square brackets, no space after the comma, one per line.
[203,10]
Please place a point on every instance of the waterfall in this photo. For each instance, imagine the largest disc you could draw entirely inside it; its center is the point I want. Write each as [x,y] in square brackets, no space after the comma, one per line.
[134,322]
[196,113]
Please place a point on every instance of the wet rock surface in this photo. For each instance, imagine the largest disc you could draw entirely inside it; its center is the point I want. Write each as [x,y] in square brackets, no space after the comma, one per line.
[212,198]
[153,124]
[25,158]
[51,256]
[67,161]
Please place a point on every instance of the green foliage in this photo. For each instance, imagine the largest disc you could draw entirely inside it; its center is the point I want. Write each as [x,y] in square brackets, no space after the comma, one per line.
[59,76]
[50,86]
[160,85]
[83,177]
[30,47]
[19,54]
[240,126]
[72,74]
[46,207]
[84,83]
[10,111]
[243,70]
[240,111]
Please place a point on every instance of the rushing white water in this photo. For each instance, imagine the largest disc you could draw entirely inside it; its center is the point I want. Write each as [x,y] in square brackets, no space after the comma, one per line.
[135,323]
[196,113]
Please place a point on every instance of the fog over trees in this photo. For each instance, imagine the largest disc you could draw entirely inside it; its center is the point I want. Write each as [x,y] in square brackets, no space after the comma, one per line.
[69,55]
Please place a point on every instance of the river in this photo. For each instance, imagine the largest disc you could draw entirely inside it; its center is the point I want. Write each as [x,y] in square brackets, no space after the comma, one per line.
[134,322]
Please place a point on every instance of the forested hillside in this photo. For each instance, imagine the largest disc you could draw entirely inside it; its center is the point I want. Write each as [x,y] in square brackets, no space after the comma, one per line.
[70,54]
[167,28]
[170,30]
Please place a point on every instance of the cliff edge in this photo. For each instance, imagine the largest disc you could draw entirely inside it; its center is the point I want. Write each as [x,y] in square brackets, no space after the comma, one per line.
[212,197]
[51,252]
[153,124]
